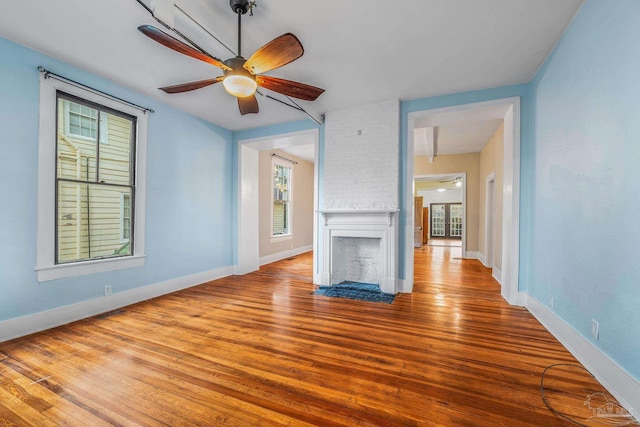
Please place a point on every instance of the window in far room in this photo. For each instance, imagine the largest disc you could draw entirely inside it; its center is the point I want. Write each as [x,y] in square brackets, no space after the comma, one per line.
[281,208]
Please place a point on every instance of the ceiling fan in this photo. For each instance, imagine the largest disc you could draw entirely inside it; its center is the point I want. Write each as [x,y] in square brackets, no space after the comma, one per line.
[241,77]
[455,180]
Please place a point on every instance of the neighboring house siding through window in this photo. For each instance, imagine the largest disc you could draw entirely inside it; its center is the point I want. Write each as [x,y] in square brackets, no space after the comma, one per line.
[94,181]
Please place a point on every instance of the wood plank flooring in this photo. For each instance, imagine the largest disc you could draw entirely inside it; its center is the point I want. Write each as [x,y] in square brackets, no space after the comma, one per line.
[261,349]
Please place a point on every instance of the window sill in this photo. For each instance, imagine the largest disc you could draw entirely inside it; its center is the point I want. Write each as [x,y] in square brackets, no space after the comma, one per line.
[281,238]
[61,271]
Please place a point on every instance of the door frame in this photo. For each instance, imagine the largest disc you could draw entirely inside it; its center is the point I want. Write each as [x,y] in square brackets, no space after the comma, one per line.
[464,205]
[248,206]
[510,195]
[489,221]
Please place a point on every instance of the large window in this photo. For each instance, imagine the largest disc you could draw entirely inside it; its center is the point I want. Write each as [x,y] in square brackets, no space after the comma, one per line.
[95,183]
[91,178]
[282,176]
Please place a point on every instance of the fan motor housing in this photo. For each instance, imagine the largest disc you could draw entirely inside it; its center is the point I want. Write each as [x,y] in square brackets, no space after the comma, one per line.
[239,6]
[237,65]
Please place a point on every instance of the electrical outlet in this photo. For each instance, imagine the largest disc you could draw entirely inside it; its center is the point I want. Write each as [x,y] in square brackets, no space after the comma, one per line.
[551,302]
[107,290]
[595,329]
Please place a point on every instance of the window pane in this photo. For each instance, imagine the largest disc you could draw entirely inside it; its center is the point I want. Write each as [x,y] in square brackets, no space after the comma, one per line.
[89,221]
[76,157]
[281,197]
[115,157]
[280,221]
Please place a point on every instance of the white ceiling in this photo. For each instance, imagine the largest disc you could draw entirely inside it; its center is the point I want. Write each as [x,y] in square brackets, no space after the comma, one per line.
[300,145]
[304,152]
[464,130]
[359,51]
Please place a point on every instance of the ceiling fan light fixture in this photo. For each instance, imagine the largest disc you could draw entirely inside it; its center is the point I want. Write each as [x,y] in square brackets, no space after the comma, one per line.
[239,85]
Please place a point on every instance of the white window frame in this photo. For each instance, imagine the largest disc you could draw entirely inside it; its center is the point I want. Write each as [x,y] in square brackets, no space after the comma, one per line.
[45,261]
[123,196]
[281,162]
[103,123]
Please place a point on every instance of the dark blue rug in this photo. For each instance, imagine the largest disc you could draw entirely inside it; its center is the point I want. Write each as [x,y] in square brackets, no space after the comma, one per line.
[356,290]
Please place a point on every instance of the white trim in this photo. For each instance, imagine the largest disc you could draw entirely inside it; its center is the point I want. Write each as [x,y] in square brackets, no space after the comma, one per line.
[510,194]
[268,259]
[60,271]
[45,266]
[401,286]
[482,258]
[281,238]
[122,197]
[248,210]
[510,258]
[489,220]
[25,325]
[614,378]
[497,274]
[316,196]
[473,255]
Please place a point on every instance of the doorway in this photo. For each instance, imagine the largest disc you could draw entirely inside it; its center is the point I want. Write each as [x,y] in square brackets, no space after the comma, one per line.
[248,257]
[507,109]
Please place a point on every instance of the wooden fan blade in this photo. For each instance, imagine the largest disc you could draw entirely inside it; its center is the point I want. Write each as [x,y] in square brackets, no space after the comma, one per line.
[186,87]
[290,88]
[248,105]
[175,44]
[278,52]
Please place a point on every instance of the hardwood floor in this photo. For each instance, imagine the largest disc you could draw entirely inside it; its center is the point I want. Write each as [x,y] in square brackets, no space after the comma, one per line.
[261,350]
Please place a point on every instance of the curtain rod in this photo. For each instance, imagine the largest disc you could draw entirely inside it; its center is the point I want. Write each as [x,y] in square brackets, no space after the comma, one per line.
[50,74]
[284,158]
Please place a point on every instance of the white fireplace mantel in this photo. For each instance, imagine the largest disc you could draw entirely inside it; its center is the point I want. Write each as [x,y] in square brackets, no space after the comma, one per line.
[362,223]
[344,213]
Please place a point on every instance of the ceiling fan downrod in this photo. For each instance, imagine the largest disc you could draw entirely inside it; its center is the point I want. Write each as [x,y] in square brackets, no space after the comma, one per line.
[240,7]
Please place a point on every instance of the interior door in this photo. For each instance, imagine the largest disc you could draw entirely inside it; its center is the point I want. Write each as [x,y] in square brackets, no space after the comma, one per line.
[417,215]
[455,220]
[438,217]
[425,226]
[446,220]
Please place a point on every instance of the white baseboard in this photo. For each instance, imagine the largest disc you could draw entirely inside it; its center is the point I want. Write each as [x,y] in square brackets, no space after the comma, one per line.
[285,254]
[497,274]
[25,325]
[472,255]
[405,286]
[615,379]
[482,259]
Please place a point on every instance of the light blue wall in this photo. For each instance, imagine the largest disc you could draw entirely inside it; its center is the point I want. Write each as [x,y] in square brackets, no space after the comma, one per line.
[189,182]
[586,182]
